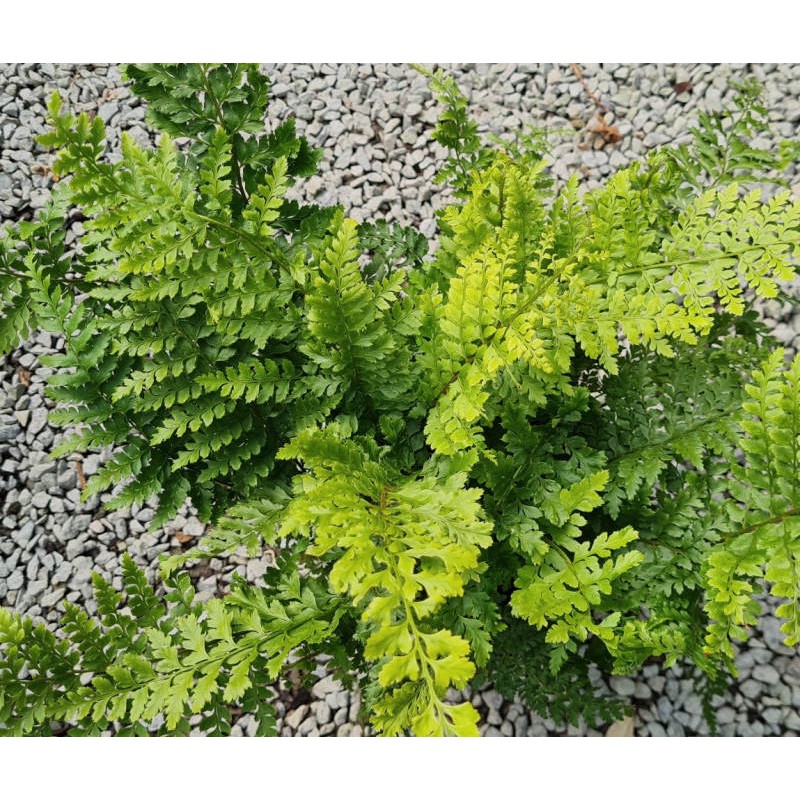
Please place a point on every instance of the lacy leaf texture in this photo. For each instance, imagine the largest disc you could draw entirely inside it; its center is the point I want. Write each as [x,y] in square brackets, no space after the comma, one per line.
[562,440]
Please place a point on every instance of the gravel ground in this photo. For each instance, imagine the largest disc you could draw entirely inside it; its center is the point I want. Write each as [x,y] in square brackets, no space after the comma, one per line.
[374,123]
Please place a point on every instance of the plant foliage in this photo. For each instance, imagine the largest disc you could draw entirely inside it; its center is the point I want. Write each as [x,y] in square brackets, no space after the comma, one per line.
[563,440]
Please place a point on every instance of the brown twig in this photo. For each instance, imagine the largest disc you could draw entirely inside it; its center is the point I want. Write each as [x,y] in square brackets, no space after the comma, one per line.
[592,96]
[80,474]
[597,124]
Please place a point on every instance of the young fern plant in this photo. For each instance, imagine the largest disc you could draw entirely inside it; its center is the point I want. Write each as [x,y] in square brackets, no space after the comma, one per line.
[564,440]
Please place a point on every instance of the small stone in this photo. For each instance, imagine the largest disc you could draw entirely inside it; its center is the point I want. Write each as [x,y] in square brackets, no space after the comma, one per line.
[784,333]
[674,728]
[40,500]
[108,110]
[296,716]
[493,717]
[792,721]
[194,527]
[38,420]
[74,548]
[8,433]
[745,728]
[62,573]
[622,685]
[38,471]
[493,699]
[325,685]
[15,581]
[338,700]
[91,464]
[766,673]
[308,727]
[774,638]
[50,599]
[664,707]
[67,479]
[642,692]
[693,704]
[750,688]
[255,569]
[22,417]
[355,707]
[537,729]
[322,711]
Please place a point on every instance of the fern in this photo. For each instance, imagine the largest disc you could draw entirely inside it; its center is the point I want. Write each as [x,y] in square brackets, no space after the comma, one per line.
[563,440]
[761,521]
[128,669]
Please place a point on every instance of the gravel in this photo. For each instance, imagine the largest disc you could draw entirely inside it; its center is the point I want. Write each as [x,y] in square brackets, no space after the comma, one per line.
[374,123]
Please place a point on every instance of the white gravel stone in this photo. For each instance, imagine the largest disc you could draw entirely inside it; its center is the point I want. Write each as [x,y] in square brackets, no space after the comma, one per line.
[37,421]
[338,700]
[622,685]
[750,688]
[493,699]
[324,686]
[296,716]
[766,673]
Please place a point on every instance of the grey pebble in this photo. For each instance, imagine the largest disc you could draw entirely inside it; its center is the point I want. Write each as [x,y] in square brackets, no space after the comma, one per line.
[338,700]
[40,500]
[693,705]
[322,712]
[91,464]
[792,720]
[8,433]
[15,581]
[324,686]
[664,709]
[308,727]
[38,420]
[493,699]
[340,717]
[766,673]
[623,685]
[296,716]
[493,717]
[750,688]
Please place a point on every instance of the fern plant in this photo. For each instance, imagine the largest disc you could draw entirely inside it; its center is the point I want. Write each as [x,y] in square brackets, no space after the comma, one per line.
[563,440]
